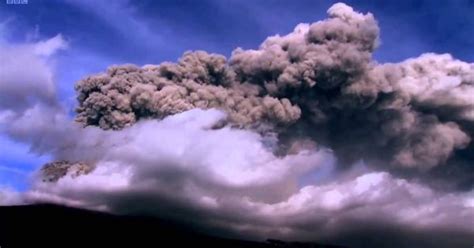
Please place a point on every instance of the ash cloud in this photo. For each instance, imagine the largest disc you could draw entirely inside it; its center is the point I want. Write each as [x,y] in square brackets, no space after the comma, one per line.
[224,143]
[319,81]
[127,93]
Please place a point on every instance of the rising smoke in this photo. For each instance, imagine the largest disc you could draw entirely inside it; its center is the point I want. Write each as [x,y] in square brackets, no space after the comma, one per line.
[319,81]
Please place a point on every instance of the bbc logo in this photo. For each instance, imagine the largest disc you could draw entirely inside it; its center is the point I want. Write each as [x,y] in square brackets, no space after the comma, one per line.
[17,1]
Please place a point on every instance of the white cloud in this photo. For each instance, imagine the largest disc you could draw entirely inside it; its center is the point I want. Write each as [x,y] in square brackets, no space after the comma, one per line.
[50,46]
[28,98]
[230,177]
[26,75]
[9,197]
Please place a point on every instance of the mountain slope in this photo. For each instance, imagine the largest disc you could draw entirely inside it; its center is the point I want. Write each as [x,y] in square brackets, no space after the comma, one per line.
[58,226]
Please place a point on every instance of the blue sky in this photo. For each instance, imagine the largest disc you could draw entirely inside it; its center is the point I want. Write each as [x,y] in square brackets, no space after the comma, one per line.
[101,33]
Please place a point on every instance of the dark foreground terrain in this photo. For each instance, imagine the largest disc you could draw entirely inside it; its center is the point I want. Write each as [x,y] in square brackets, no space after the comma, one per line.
[57,226]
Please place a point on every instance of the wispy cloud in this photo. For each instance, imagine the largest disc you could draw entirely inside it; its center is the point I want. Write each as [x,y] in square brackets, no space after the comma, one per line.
[13,170]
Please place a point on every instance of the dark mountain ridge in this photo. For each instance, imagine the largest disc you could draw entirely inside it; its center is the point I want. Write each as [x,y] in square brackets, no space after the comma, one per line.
[48,225]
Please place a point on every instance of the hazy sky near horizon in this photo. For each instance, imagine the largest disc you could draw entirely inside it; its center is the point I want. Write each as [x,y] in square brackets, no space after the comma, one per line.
[101,33]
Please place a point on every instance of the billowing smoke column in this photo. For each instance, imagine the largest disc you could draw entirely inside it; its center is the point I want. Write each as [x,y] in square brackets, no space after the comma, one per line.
[318,81]
[127,93]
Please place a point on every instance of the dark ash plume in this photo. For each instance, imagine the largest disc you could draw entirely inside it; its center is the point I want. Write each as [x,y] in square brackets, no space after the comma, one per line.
[127,93]
[319,81]
[53,171]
